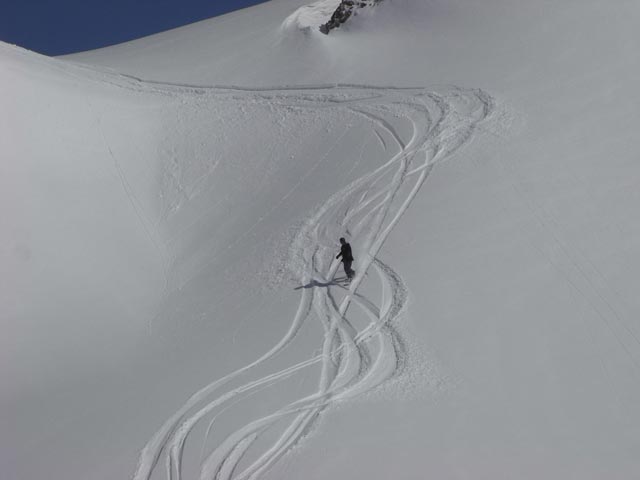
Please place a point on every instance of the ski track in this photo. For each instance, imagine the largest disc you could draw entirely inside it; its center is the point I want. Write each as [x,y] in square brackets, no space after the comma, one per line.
[351,361]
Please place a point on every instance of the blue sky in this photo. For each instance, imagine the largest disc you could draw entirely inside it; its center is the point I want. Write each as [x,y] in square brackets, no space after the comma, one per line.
[56,27]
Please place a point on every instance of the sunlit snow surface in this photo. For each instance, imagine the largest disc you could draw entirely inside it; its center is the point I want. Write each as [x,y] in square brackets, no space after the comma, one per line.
[416,129]
[168,248]
[184,194]
[311,16]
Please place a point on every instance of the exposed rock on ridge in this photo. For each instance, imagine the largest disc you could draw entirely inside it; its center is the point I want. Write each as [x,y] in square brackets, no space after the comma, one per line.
[344,11]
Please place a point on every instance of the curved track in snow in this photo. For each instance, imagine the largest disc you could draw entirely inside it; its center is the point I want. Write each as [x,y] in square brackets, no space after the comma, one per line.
[351,359]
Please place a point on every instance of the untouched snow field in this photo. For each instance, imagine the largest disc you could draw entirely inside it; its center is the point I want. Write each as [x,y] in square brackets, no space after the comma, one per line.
[171,209]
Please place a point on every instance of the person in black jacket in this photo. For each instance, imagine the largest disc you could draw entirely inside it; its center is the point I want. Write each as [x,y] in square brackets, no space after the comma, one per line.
[347,258]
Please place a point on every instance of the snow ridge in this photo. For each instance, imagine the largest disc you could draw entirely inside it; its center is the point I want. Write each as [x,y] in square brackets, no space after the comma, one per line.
[353,360]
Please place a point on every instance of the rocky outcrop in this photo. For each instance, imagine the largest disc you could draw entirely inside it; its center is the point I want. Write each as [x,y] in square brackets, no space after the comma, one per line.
[343,12]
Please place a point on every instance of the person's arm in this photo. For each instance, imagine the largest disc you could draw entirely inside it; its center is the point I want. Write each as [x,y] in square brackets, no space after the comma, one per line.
[339,255]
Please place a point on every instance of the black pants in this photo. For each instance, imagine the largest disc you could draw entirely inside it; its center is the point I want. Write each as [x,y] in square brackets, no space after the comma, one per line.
[347,268]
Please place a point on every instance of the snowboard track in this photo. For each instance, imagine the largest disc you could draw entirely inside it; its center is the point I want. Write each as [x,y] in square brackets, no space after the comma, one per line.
[351,360]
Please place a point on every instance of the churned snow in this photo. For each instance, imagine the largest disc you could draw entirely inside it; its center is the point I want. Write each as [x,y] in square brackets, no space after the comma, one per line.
[171,207]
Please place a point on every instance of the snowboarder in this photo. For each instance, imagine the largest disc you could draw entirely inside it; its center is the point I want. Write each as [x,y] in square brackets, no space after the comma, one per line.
[347,258]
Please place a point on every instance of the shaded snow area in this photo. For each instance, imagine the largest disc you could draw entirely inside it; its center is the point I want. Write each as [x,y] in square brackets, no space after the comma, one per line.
[172,307]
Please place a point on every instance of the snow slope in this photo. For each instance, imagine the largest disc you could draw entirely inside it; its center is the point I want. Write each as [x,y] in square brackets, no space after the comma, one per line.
[169,247]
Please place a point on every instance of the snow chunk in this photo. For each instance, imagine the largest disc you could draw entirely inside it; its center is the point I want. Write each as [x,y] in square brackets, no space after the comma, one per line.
[310,17]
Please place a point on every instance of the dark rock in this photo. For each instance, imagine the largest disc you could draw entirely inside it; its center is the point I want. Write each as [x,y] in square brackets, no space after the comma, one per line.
[343,12]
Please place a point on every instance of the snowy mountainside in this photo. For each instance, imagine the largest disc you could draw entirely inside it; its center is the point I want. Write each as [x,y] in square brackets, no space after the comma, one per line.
[172,209]
[215,211]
